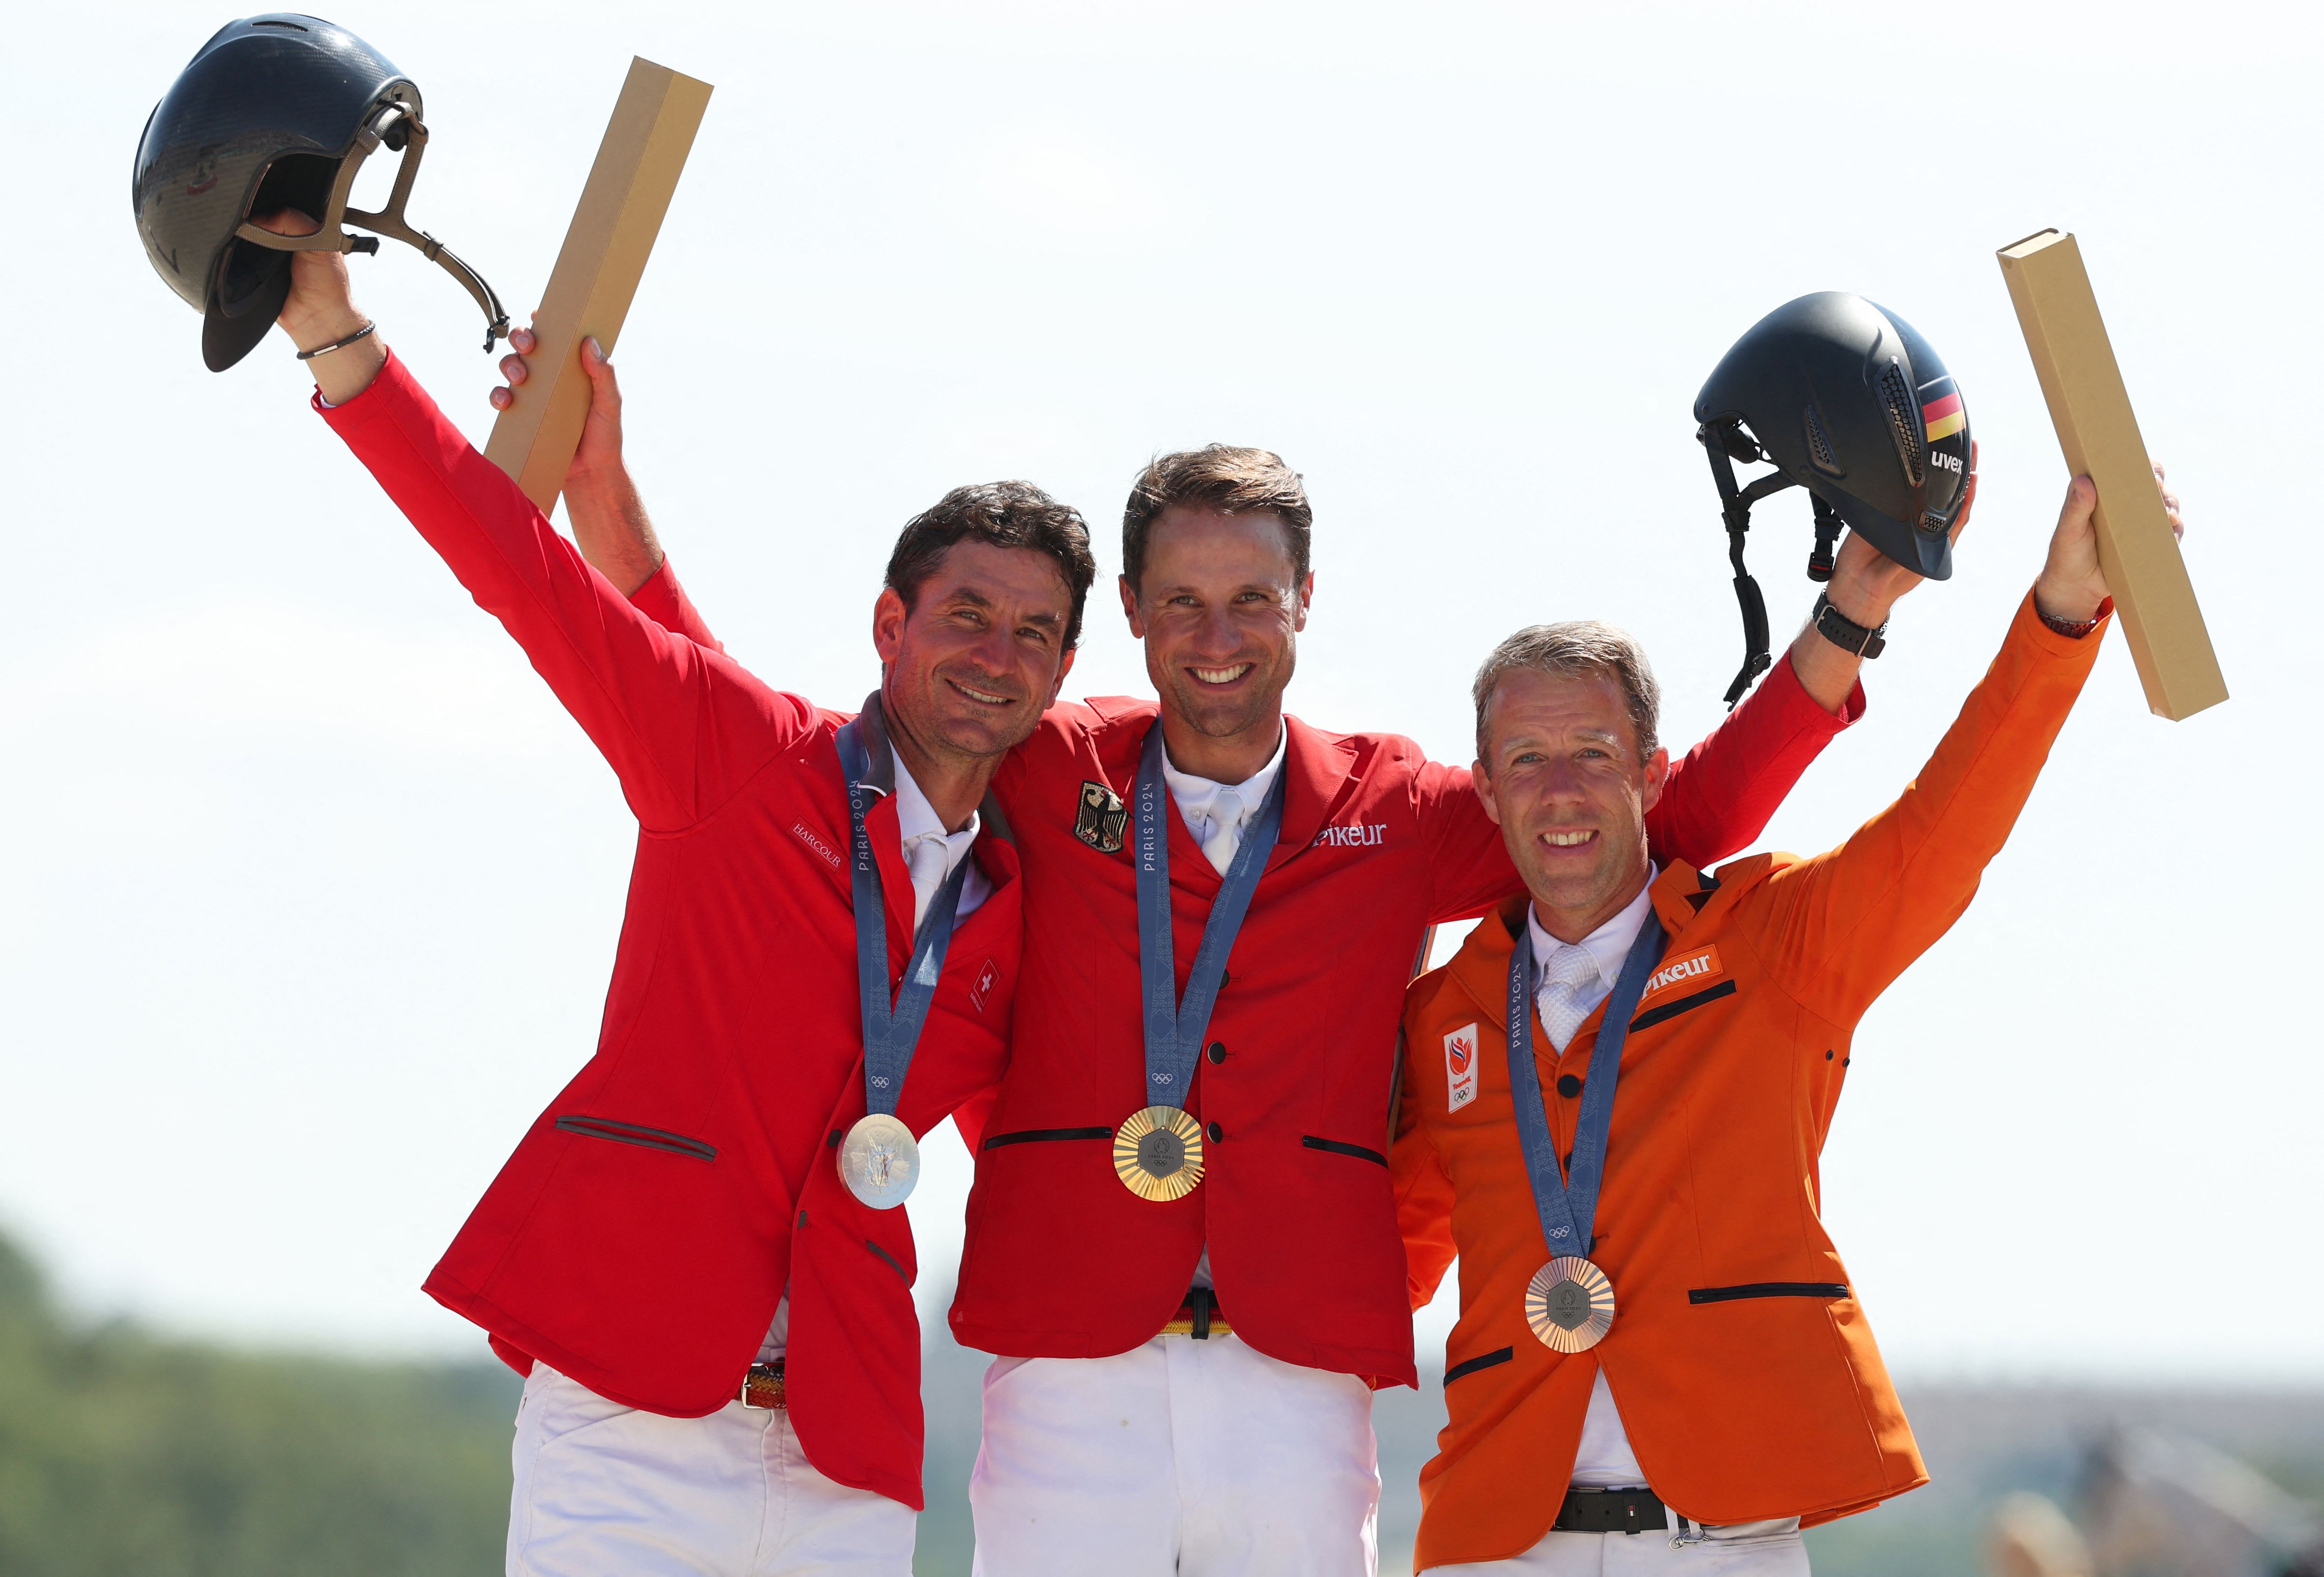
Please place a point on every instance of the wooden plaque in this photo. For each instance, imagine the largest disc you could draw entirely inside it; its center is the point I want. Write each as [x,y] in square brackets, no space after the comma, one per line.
[2091,410]
[597,271]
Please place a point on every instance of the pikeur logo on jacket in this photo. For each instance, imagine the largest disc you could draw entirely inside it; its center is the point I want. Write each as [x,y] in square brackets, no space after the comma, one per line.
[1736,1322]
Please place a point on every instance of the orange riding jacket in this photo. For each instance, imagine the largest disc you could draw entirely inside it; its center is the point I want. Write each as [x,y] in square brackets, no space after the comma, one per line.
[1746,1377]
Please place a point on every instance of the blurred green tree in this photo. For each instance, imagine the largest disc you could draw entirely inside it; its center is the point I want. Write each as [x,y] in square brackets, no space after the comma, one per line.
[124,1454]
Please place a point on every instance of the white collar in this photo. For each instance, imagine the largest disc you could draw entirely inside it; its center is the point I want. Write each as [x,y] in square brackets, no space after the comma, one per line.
[1194,795]
[915,819]
[1611,942]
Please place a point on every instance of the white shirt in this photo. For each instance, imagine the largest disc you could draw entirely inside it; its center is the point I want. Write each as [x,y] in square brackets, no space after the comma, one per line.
[1608,944]
[1605,1460]
[917,823]
[1197,799]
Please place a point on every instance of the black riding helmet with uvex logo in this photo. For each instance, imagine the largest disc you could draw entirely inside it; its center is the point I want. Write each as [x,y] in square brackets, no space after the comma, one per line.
[275,112]
[1846,399]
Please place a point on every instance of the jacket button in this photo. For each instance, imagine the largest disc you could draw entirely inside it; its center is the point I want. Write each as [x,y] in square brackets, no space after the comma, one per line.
[1216,1132]
[1218,1051]
[1568,1085]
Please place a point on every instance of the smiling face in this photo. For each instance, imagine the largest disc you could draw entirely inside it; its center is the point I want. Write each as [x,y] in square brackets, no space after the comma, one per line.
[1564,778]
[1220,606]
[980,654]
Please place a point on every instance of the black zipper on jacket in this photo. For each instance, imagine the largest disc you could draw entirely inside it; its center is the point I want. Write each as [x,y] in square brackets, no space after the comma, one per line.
[630,1133]
[1339,1148]
[1461,1370]
[1033,1136]
[1726,1294]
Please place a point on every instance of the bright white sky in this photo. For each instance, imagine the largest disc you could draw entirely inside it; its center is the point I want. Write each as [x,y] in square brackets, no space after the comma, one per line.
[315,889]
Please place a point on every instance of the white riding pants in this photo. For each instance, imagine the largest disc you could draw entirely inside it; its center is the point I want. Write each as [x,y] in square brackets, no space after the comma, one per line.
[1745,1549]
[1176,1459]
[603,1489]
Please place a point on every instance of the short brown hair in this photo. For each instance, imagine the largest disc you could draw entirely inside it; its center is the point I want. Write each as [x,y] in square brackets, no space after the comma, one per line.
[1006,514]
[1573,651]
[1223,477]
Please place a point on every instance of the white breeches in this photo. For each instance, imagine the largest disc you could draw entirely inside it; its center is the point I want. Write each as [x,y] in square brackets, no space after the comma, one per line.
[604,1489]
[1746,1549]
[1176,1459]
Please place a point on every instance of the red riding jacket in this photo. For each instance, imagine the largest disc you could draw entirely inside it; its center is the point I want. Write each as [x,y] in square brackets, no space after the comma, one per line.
[642,1233]
[1377,844]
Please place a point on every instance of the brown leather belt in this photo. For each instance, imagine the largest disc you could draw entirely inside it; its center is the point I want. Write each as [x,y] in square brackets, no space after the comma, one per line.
[763,1386]
[1198,1317]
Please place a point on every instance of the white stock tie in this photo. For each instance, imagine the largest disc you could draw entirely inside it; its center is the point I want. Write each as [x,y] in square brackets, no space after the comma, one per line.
[1560,999]
[1225,816]
[926,860]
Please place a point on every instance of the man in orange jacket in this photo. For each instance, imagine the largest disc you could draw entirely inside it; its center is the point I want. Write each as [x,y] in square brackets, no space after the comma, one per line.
[1656,1336]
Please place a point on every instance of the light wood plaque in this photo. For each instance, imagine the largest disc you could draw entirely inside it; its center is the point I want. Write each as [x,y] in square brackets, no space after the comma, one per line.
[2091,410]
[597,271]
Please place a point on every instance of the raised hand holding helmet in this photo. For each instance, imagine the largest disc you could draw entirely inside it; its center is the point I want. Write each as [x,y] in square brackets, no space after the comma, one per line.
[1848,402]
[276,114]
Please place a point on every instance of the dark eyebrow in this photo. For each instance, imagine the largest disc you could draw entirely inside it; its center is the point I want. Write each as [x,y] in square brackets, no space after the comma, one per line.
[977,599]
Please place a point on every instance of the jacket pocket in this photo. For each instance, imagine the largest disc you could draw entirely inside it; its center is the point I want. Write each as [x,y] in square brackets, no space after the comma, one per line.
[1468,1367]
[889,1260]
[1034,1136]
[1652,1016]
[1726,1295]
[630,1133]
[1336,1148]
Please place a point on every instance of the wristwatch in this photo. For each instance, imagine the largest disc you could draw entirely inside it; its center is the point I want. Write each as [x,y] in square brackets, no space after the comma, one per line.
[1846,633]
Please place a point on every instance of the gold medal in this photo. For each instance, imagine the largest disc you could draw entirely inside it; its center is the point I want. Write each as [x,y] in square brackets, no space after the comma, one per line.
[1157,1153]
[881,1161]
[1569,1304]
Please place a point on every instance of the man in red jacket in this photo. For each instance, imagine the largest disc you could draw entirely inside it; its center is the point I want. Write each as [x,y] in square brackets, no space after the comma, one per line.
[693,1252]
[1182,1242]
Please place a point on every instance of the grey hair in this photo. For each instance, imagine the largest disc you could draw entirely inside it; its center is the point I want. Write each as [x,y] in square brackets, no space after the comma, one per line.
[1572,650]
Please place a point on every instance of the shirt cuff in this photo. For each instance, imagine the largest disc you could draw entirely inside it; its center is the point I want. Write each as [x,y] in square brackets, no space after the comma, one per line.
[2029,625]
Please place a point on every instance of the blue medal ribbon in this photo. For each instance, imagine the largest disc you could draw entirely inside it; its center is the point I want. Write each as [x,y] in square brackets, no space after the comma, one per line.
[890,1032]
[1174,1028]
[1568,1203]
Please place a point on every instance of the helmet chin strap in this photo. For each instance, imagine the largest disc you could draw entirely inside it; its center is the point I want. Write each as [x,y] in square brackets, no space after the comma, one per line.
[1725,443]
[390,221]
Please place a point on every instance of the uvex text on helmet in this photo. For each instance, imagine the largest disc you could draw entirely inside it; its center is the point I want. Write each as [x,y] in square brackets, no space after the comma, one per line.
[1846,399]
[275,112]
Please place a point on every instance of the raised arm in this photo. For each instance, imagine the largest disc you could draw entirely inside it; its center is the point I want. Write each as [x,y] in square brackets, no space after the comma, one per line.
[1847,923]
[1721,795]
[681,726]
[610,522]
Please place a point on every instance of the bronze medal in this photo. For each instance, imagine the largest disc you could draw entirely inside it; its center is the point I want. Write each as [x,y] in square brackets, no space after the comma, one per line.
[1569,1304]
[1157,1153]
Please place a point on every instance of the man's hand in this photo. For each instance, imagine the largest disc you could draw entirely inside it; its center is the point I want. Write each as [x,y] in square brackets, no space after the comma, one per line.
[321,308]
[2072,586]
[1865,583]
[600,451]
[1864,586]
[610,525]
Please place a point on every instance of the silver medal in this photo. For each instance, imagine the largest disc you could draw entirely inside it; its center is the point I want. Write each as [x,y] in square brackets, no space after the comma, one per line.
[880,1161]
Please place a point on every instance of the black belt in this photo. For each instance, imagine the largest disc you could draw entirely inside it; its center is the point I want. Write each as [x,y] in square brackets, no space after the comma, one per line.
[1610,1512]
